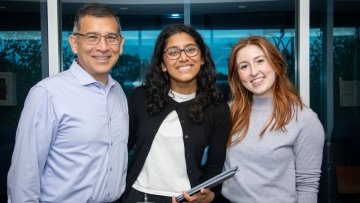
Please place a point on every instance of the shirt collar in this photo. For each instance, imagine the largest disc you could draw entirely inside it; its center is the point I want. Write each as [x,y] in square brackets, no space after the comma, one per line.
[84,77]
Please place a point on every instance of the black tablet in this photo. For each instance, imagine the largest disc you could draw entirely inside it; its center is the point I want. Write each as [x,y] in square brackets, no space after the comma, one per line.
[214,181]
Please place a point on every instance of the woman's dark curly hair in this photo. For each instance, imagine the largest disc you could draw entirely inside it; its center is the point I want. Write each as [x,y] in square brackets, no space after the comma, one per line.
[157,82]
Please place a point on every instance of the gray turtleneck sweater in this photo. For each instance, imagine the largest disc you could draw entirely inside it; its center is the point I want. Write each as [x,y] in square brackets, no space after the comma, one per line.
[282,166]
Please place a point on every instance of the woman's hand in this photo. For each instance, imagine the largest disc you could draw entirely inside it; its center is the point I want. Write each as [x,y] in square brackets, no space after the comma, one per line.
[204,196]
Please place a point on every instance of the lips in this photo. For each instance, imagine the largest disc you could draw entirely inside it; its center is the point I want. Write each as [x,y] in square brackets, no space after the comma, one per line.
[184,68]
[257,81]
[101,57]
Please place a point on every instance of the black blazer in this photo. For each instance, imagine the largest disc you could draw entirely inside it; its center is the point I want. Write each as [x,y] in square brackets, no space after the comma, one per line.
[213,132]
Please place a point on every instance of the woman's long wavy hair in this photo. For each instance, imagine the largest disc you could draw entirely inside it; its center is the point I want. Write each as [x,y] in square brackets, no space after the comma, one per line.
[157,82]
[285,97]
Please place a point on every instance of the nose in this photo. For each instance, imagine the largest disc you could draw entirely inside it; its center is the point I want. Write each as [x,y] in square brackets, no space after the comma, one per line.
[103,45]
[183,55]
[254,70]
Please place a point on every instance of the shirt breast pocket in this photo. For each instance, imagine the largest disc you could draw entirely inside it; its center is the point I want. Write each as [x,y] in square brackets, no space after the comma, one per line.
[120,127]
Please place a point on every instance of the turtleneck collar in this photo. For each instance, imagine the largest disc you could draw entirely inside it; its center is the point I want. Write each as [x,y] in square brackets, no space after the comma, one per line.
[262,103]
[181,97]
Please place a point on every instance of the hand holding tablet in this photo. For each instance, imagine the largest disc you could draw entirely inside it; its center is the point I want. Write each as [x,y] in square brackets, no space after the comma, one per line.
[212,182]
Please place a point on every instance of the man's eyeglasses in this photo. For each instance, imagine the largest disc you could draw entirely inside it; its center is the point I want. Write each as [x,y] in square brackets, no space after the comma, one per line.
[174,53]
[94,38]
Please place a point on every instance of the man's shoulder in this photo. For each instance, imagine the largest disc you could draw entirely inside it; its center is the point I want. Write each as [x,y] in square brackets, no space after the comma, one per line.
[61,79]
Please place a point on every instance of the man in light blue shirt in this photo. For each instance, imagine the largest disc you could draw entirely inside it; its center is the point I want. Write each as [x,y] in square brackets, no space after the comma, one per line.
[71,141]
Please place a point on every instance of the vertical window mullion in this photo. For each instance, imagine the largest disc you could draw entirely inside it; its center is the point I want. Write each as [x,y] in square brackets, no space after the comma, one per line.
[53,36]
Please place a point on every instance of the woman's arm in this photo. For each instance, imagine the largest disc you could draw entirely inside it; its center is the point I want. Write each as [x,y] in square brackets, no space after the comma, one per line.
[308,151]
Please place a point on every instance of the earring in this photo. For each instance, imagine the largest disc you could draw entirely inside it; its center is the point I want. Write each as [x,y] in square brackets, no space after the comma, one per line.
[163,68]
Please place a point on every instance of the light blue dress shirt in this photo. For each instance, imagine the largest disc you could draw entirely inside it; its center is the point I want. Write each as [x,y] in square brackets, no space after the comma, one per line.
[71,141]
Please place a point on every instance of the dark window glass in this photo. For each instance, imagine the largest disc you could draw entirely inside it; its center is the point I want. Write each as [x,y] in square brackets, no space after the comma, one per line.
[221,25]
[21,67]
[335,94]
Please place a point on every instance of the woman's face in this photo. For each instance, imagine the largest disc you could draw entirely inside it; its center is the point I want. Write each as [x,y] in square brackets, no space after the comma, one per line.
[255,71]
[182,60]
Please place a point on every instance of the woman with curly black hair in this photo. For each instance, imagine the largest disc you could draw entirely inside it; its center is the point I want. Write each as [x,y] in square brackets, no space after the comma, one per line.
[179,123]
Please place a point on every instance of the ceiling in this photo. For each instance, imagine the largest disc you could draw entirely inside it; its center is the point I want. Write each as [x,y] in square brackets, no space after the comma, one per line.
[159,7]
[163,7]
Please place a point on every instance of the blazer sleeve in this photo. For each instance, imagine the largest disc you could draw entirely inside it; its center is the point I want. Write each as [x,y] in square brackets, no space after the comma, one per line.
[220,130]
[132,119]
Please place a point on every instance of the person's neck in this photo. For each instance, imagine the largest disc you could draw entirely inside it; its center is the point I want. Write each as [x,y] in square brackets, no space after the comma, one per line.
[100,78]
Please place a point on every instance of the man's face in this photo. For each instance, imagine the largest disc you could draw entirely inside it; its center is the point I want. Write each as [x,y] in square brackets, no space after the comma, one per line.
[97,58]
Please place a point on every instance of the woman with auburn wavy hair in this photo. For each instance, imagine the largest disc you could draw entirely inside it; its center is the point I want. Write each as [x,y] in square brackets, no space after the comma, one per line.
[276,141]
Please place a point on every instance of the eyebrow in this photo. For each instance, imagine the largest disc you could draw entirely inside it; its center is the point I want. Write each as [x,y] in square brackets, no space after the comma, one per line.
[180,48]
[254,59]
[110,33]
[259,56]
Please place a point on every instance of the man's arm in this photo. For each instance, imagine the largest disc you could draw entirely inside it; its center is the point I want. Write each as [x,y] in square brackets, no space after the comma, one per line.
[33,139]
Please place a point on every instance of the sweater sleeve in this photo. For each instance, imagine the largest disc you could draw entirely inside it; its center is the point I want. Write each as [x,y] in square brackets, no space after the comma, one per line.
[308,150]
